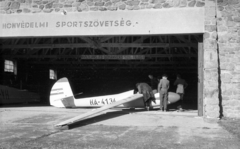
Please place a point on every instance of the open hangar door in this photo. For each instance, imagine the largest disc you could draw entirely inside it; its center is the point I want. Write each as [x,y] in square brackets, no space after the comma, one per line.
[98,65]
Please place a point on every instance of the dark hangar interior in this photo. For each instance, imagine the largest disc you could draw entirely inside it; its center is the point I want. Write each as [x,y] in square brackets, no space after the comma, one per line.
[101,65]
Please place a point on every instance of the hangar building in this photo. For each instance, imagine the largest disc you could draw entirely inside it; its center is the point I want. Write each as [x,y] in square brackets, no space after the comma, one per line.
[106,46]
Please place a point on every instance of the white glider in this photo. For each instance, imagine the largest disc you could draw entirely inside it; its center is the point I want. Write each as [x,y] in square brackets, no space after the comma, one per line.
[61,96]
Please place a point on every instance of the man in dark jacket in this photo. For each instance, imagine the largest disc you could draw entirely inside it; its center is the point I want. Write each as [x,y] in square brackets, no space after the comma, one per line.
[154,83]
[148,96]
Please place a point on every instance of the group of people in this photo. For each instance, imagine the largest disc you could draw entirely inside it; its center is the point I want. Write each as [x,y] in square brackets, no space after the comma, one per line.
[161,85]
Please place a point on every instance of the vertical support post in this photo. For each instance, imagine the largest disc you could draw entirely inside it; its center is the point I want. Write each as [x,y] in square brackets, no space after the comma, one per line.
[200,79]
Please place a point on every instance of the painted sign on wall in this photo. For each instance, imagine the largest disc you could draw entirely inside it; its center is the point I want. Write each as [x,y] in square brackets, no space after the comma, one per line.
[174,21]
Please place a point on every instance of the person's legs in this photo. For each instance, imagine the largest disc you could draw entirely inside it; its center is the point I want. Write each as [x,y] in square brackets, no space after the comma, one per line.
[144,103]
[180,101]
[145,99]
[161,101]
[148,104]
[165,101]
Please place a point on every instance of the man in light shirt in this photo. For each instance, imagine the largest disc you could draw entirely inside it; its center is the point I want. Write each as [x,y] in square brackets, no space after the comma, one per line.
[181,86]
[163,87]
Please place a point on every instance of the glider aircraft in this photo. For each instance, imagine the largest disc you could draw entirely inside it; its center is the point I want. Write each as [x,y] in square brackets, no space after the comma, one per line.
[62,96]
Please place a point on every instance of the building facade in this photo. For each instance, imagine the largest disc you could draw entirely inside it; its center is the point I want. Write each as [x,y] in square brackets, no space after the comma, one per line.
[219,23]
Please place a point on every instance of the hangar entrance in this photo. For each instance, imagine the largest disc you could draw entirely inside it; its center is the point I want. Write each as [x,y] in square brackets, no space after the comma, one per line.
[98,65]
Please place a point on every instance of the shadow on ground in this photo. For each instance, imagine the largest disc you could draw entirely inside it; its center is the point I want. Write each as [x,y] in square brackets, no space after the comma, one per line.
[103,117]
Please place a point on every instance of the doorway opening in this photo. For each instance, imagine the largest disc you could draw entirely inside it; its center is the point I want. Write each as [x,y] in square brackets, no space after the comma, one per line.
[98,65]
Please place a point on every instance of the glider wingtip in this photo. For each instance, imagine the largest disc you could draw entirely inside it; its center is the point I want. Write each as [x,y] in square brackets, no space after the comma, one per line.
[61,127]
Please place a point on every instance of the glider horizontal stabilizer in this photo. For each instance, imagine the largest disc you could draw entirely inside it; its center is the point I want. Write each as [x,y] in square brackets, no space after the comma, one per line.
[91,113]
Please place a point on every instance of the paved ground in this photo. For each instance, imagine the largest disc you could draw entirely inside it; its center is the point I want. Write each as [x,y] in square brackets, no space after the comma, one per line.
[33,127]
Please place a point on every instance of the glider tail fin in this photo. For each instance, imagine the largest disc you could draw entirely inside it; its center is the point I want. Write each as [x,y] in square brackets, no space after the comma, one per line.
[61,94]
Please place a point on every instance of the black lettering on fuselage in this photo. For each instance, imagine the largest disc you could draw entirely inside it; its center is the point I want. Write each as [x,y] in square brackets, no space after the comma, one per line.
[103,101]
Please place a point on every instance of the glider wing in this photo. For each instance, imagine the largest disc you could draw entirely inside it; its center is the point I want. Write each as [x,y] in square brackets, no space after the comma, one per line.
[91,113]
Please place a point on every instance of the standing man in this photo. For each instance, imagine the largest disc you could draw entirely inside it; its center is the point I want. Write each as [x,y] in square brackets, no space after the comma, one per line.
[154,83]
[148,96]
[181,86]
[163,87]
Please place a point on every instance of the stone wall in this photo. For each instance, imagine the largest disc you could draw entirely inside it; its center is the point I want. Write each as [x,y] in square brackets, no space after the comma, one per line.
[228,27]
[222,59]
[51,6]
[211,79]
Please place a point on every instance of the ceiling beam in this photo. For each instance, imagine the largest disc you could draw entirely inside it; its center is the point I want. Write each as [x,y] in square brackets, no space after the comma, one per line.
[96,44]
[18,56]
[114,62]
[165,69]
[89,45]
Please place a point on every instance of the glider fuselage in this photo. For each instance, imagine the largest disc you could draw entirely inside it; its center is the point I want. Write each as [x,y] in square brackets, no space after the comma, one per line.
[61,96]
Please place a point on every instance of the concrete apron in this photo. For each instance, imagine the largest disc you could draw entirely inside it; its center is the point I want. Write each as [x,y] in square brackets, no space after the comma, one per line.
[24,125]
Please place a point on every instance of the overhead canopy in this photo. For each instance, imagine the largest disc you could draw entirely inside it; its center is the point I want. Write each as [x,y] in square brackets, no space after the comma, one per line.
[141,22]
